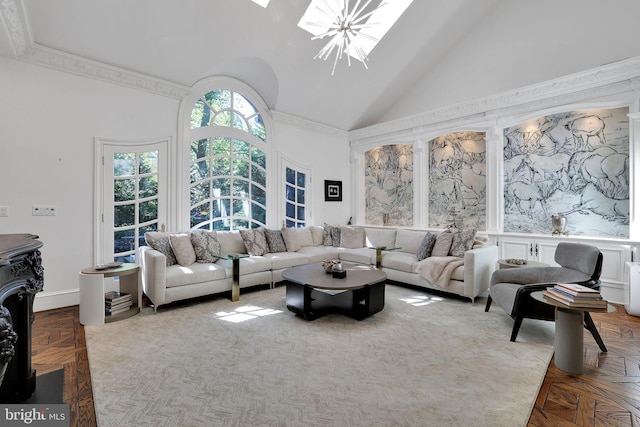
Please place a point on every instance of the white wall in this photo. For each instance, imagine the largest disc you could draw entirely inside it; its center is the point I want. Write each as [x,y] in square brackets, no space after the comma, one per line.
[48,122]
[323,150]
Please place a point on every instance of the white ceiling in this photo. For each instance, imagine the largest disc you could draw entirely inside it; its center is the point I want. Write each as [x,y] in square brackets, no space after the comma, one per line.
[184,41]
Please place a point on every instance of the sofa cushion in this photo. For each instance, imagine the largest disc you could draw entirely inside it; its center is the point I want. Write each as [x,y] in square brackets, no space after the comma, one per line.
[379,237]
[409,240]
[351,237]
[182,248]
[178,275]
[296,238]
[231,242]
[360,255]
[248,265]
[401,261]
[458,273]
[426,247]
[160,242]
[291,239]
[462,242]
[255,242]
[320,253]
[206,245]
[317,235]
[443,244]
[285,259]
[275,240]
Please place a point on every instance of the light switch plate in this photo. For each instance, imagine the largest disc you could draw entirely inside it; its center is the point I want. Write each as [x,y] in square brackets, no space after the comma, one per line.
[4,211]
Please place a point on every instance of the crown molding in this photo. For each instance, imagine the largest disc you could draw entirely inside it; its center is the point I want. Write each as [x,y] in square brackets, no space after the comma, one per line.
[74,64]
[13,16]
[612,79]
[299,122]
[15,23]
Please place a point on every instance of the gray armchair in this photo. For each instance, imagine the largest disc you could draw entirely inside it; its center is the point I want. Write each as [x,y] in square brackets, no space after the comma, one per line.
[511,288]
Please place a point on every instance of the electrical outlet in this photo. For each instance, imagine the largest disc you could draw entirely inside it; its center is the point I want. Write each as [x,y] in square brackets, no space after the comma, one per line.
[4,210]
[44,210]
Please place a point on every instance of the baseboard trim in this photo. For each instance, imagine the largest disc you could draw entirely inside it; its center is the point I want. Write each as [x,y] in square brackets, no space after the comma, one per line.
[613,292]
[51,300]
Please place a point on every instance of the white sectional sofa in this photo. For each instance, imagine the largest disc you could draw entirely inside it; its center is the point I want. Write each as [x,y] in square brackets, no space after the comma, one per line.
[166,279]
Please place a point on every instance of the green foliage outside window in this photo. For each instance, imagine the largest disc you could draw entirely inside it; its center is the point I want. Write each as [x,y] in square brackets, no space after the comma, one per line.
[227,175]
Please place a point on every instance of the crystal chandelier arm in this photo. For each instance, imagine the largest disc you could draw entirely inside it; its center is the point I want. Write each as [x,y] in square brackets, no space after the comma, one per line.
[355,11]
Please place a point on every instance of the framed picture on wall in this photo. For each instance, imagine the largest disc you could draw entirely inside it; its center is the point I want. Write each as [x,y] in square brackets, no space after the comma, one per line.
[332,191]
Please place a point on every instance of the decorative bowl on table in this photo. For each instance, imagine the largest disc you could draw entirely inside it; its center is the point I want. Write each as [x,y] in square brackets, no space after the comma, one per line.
[331,266]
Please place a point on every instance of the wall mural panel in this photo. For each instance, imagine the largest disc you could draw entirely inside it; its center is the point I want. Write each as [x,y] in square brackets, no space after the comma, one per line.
[389,185]
[575,164]
[458,180]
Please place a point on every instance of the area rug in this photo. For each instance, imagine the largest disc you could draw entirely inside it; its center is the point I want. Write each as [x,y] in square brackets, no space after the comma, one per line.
[422,361]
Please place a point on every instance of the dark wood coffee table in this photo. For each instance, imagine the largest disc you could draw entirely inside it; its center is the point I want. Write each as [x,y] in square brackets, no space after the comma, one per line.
[311,292]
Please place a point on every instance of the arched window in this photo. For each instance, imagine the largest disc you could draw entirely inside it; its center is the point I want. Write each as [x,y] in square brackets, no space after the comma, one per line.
[228,163]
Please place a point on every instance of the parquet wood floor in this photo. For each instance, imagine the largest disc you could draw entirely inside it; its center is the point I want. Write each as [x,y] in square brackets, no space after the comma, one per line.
[607,394]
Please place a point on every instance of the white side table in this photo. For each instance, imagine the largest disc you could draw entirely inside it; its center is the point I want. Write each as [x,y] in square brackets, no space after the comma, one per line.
[92,293]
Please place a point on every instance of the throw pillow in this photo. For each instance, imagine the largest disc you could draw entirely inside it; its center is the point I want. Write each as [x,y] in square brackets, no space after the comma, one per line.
[326,235]
[290,239]
[304,236]
[206,246]
[351,237]
[182,248]
[255,242]
[275,241]
[443,244]
[462,242]
[335,236]
[317,234]
[409,240]
[426,247]
[160,242]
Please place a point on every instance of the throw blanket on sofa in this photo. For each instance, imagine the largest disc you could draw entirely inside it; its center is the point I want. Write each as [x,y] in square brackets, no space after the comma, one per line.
[438,270]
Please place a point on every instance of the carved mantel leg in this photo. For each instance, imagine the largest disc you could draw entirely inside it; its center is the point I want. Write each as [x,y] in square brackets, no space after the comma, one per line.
[8,340]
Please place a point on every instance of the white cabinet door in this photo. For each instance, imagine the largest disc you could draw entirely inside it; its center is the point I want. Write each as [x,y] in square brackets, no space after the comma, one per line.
[515,248]
[529,249]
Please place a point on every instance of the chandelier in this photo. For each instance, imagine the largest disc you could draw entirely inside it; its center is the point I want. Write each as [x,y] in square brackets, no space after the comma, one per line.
[352,31]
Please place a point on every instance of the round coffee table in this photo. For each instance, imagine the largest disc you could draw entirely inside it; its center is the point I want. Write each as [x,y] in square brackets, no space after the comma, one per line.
[311,292]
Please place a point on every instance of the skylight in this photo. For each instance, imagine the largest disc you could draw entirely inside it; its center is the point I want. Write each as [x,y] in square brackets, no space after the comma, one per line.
[323,15]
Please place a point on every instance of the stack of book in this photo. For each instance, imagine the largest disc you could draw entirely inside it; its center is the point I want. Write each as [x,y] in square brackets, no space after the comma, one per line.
[116,302]
[578,296]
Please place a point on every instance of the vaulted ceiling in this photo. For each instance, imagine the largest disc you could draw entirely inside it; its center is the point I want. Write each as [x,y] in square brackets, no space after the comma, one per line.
[438,52]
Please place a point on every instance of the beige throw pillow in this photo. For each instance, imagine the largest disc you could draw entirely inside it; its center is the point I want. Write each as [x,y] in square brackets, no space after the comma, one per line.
[443,244]
[351,237]
[182,248]
[290,239]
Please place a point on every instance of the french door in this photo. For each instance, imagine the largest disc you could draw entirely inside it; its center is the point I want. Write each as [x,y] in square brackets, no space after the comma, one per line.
[134,196]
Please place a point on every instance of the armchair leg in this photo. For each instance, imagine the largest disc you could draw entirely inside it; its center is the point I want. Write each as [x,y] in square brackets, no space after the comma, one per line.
[516,328]
[591,327]
[489,301]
